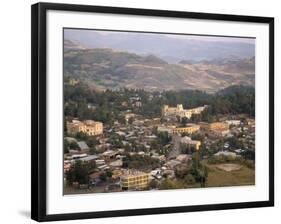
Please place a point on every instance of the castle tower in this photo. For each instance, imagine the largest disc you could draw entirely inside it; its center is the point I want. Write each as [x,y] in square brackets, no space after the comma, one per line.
[179,107]
[164,109]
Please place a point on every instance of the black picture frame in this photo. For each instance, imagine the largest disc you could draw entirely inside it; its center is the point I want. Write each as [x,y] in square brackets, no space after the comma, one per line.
[39,122]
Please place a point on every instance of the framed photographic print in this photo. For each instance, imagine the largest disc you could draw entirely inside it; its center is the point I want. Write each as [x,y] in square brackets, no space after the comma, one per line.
[139,111]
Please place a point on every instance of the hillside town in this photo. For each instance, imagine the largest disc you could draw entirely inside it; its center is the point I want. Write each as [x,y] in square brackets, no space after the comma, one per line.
[166,152]
[147,111]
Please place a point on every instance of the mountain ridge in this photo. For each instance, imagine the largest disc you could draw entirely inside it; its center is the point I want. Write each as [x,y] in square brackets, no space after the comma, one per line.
[172,48]
[108,68]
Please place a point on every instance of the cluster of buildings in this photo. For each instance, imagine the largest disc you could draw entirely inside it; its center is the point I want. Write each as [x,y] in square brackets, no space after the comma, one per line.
[218,129]
[138,137]
[215,128]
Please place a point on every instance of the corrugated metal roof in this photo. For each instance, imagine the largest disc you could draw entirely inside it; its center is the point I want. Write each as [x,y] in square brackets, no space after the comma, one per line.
[82,145]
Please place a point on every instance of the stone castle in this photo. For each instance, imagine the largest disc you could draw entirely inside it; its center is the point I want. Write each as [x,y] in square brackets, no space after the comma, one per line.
[180,111]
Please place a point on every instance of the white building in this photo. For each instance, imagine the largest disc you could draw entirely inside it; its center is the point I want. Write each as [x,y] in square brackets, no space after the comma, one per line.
[233,122]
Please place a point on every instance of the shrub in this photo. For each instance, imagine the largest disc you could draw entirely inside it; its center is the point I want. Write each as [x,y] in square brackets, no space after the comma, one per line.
[189,179]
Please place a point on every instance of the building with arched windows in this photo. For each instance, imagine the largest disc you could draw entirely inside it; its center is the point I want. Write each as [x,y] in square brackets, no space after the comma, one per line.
[180,111]
[88,127]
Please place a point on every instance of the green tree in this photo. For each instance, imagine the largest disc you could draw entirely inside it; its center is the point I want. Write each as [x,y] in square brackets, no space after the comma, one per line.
[163,138]
[184,121]
[189,179]
[199,171]
[78,173]
[91,141]
[65,146]
[171,184]
[81,136]
[109,173]
[91,166]
[153,184]
[73,145]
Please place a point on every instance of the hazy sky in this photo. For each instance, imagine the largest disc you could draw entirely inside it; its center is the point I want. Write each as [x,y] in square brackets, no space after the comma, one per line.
[187,37]
[215,38]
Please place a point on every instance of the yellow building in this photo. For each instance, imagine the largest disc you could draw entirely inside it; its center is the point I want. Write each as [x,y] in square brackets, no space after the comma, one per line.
[251,121]
[134,180]
[214,126]
[180,111]
[73,82]
[196,144]
[116,174]
[89,127]
[188,129]
[218,126]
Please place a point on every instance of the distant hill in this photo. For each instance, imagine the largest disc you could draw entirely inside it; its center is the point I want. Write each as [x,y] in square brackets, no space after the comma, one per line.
[236,89]
[171,48]
[70,45]
[107,68]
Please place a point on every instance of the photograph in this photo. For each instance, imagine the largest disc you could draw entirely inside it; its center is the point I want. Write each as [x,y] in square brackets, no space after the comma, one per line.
[139,112]
[150,111]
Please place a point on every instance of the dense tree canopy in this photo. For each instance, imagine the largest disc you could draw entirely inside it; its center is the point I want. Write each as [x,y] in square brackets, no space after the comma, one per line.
[140,162]
[105,106]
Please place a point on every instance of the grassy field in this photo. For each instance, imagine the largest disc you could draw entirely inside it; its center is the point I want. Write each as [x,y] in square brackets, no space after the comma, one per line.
[218,177]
